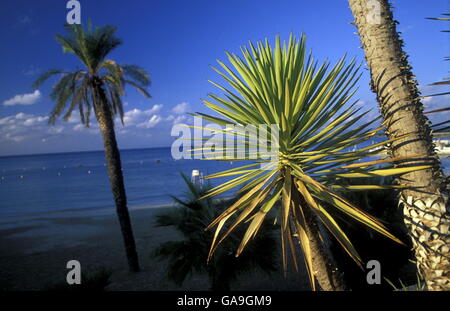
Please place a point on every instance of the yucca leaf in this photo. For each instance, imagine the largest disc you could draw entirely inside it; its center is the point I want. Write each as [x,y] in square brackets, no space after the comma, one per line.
[383,172]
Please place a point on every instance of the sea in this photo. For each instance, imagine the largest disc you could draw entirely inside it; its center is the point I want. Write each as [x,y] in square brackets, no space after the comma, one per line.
[77,183]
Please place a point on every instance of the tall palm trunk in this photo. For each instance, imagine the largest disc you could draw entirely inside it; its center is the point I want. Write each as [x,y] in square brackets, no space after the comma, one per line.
[112,155]
[426,207]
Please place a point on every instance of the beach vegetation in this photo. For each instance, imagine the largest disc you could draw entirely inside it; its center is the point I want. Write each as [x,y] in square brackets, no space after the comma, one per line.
[189,254]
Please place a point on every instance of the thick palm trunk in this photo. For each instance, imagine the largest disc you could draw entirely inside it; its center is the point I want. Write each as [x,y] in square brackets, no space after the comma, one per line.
[114,166]
[426,207]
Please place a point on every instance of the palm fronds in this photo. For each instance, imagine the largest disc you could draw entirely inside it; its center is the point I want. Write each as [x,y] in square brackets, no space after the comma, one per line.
[78,90]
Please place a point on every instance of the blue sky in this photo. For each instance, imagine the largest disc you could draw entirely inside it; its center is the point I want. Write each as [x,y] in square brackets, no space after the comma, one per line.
[177,42]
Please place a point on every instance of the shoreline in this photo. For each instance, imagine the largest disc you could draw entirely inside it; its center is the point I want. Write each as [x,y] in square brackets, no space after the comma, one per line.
[8,221]
[34,255]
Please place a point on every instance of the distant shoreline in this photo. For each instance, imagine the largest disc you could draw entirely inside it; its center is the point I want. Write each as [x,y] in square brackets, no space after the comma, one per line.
[18,221]
[102,151]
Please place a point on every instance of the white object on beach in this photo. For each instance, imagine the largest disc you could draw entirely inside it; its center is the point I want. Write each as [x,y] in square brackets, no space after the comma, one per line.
[196,177]
[442,146]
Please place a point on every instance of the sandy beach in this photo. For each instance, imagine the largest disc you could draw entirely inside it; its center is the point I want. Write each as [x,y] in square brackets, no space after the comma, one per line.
[35,252]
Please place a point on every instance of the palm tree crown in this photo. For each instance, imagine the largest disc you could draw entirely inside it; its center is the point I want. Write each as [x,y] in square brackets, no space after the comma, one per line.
[77,89]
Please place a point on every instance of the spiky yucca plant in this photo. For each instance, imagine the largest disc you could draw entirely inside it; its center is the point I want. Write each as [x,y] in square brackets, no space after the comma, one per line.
[318,129]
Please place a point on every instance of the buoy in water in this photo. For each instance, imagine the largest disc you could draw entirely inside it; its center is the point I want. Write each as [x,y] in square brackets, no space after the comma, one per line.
[197,177]
[89,172]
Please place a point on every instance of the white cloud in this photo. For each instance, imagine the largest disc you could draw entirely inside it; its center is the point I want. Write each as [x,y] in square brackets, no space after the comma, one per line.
[74,118]
[17,139]
[154,109]
[21,116]
[435,102]
[7,120]
[154,120]
[137,116]
[56,130]
[177,119]
[181,108]
[23,129]
[30,121]
[92,129]
[23,99]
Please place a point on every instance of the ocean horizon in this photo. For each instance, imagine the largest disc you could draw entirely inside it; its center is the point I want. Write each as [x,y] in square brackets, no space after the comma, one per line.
[77,182]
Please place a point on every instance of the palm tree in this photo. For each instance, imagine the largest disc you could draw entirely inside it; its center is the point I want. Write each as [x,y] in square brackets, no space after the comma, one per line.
[99,86]
[189,254]
[318,130]
[426,206]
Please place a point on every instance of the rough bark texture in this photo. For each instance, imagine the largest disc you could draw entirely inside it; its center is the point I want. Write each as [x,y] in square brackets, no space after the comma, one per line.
[112,154]
[425,203]
[325,270]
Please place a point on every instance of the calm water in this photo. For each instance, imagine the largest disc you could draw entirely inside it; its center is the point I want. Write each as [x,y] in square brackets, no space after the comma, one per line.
[36,184]
[78,181]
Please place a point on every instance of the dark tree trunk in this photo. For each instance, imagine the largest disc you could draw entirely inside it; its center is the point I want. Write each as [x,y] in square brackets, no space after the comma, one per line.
[324,266]
[112,155]
[325,269]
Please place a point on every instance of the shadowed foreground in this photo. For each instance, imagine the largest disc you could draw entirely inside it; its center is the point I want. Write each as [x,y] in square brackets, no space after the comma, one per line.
[34,255]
